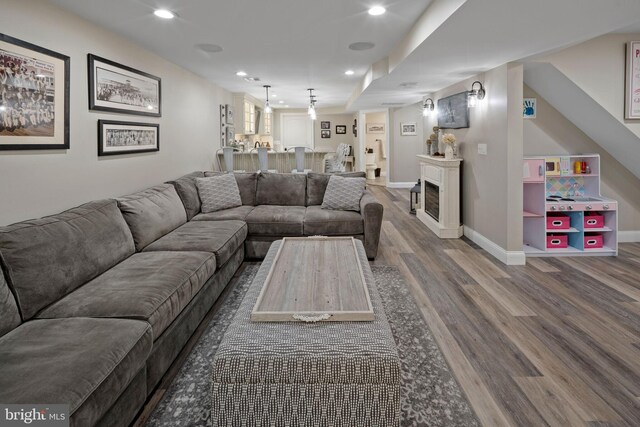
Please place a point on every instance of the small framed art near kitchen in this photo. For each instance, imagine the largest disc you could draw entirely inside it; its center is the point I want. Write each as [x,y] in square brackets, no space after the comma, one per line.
[632,88]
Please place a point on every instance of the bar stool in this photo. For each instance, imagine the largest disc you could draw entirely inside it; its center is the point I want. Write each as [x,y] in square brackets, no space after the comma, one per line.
[263,159]
[299,156]
[227,154]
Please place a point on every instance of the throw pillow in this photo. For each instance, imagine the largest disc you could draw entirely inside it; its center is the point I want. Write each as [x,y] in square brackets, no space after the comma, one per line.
[343,194]
[218,192]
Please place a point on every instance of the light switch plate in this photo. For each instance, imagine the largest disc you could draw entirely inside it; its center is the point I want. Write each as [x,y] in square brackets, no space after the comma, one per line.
[482,149]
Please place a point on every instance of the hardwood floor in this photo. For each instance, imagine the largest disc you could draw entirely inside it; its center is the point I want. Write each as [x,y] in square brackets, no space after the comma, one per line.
[555,342]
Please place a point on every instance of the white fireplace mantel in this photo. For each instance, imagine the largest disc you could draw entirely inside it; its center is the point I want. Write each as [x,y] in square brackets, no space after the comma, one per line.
[446,175]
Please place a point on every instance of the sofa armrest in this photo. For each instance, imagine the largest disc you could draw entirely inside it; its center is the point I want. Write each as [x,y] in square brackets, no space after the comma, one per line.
[371,211]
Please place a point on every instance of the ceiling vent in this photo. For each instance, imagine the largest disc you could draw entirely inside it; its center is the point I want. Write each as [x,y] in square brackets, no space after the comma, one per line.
[252,79]
[392,104]
[361,46]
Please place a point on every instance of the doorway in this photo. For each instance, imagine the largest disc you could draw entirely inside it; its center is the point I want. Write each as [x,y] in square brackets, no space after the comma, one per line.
[375,140]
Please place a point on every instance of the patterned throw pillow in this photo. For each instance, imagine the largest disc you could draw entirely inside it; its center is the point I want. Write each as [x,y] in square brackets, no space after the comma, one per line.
[343,194]
[218,192]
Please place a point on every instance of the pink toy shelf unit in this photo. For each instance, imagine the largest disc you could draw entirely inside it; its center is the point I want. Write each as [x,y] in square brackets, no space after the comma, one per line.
[564,213]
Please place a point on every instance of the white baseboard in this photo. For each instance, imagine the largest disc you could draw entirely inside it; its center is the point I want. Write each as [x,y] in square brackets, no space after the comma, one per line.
[632,236]
[401,184]
[507,257]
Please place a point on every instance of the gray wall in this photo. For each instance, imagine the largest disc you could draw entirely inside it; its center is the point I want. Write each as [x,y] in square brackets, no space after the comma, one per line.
[403,164]
[36,183]
[492,183]
[550,133]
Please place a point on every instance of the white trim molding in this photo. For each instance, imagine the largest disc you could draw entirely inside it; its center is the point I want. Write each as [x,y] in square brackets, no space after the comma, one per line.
[401,184]
[632,236]
[507,257]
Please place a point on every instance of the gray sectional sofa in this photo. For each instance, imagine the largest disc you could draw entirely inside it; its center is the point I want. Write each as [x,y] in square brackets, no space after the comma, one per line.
[96,302]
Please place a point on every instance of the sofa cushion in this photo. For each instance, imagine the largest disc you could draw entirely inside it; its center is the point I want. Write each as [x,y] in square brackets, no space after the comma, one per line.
[152,213]
[151,286]
[218,193]
[282,189]
[246,184]
[85,363]
[344,193]
[240,213]
[267,220]
[188,192]
[219,237]
[325,222]
[317,185]
[9,314]
[47,258]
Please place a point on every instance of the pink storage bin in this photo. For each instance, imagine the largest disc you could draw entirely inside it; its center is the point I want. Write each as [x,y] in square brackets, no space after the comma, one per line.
[557,241]
[593,241]
[558,222]
[593,220]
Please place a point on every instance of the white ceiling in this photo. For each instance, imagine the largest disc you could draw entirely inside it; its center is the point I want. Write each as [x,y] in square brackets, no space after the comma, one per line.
[290,44]
[296,44]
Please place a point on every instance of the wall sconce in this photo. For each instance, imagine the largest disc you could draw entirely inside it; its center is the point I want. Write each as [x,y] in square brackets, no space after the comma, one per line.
[428,107]
[476,95]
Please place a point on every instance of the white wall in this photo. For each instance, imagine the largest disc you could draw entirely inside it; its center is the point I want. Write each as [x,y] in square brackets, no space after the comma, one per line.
[37,183]
[492,183]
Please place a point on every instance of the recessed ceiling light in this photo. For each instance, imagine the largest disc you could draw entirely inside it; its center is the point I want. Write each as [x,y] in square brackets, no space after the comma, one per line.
[349,72]
[377,10]
[241,73]
[164,14]
[361,46]
[273,95]
[280,102]
[209,48]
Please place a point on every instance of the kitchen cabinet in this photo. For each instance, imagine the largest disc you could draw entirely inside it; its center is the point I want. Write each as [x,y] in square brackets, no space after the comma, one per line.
[245,107]
[564,213]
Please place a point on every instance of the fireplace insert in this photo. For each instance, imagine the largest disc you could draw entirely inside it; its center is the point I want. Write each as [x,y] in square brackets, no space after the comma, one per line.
[432,200]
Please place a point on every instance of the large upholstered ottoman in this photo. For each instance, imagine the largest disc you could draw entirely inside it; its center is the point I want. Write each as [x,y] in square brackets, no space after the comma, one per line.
[306,374]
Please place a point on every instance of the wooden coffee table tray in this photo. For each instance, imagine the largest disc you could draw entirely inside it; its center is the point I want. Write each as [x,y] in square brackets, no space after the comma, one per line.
[314,279]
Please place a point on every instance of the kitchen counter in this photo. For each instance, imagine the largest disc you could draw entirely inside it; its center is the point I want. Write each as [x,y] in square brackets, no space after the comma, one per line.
[281,161]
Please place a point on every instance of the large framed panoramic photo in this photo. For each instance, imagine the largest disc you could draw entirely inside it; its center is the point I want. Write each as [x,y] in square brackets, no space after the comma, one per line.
[117,88]
[632,88]
[115,137]
[34,96]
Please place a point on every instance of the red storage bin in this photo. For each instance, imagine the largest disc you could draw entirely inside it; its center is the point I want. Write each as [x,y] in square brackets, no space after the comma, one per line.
[558,222]
[593,241]
[557,241]
[593,220]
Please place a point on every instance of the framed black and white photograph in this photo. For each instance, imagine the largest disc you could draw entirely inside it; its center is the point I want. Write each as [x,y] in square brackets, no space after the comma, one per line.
[325,125]
[453,111]
[117,88]
[231,135]
[341,130]
[115,137]
[34,96]
[325,133]
[632,88]
[408,129]
[375,127]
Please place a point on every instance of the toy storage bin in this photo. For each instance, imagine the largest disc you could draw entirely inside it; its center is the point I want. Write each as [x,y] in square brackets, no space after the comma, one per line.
[593,220]
[557,241]
[593,241]
[557,221]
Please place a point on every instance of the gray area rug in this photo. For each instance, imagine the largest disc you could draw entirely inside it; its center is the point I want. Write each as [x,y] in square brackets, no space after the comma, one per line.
[430,394]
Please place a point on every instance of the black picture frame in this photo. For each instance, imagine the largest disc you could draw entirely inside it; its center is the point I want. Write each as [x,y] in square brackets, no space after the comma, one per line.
[116,125]
[147,96]
[453,111]
[49,91]
[325,125]
[341,130]
[325,133]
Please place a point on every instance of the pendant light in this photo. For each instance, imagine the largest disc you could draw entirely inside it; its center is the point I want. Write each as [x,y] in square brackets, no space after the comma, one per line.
[267,107]
[312,109]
